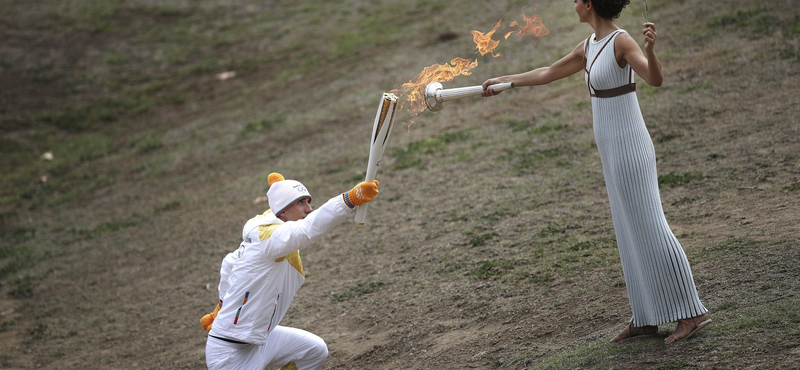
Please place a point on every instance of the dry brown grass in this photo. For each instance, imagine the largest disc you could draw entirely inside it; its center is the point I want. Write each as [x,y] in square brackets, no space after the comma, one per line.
[491,244]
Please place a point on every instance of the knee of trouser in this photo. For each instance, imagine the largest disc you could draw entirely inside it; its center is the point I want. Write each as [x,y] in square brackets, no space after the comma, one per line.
[315,355]
[320,348]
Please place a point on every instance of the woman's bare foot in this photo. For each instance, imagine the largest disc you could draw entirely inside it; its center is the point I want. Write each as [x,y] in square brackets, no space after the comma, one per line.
[631,331]
[687,327]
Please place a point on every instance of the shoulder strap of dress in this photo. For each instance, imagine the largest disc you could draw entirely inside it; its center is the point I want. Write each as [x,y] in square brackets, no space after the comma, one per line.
[604,46]
[585,50]
[589,68]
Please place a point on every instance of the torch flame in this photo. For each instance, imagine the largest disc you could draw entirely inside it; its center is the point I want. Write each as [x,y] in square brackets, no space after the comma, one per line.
[533,25]
[414,89]
[484,42]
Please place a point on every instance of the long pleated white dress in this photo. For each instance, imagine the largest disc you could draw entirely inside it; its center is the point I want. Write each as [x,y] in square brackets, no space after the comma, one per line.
[659,280]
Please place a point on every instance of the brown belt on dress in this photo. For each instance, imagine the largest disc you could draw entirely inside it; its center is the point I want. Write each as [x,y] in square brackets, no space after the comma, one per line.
[617,91]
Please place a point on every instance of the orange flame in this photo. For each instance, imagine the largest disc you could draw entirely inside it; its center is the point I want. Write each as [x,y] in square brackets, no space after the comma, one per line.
[484,42]
[414,89]
[533,25]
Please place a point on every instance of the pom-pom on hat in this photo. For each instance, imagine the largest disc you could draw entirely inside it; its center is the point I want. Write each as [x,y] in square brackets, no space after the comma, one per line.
[283,193]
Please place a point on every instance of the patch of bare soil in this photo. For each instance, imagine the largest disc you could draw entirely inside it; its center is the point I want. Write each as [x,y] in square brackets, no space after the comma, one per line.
[417,287]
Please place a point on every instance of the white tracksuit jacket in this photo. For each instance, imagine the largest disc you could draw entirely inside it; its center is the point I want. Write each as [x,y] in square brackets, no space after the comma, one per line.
[260,279]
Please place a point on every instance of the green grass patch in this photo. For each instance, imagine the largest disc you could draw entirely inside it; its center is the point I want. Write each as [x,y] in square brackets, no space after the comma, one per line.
[549,147]
[684,201]
[792,29]
[750,23]
[17,259]
[169,206]
[646,89]
[374,26]
[553,228]
[492,269]
[117,225]
[724,306]
[551,126]
[360,289]
[515,271]
[86,147]
[674,179]
[95,114]
[702,85]
[589,244]
[112,226]
[16,235]
[738,330]
[552,123]
[21,287]
[481,239]
[753,325]
[6,325]
[515,124]
[411,155]
[739,246]
[148,142]
[36,333]
[262,124]
[792,187]
[540,277]
[532,159]
[597,355]
[665,137]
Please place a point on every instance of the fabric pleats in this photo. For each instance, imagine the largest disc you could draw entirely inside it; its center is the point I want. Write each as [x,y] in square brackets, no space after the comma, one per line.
[659,280]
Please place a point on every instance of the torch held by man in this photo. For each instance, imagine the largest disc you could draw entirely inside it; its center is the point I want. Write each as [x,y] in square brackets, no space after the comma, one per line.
[381,129]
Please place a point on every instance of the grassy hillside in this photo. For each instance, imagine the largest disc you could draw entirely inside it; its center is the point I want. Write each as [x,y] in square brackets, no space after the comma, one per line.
[137,137]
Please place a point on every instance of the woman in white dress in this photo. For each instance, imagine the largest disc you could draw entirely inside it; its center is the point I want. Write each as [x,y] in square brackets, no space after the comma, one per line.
[658,278]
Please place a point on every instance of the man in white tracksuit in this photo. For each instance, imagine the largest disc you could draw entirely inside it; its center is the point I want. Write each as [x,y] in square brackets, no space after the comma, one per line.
[260,279]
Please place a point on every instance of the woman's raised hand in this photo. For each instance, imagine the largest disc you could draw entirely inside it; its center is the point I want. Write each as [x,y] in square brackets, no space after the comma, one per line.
[650,35]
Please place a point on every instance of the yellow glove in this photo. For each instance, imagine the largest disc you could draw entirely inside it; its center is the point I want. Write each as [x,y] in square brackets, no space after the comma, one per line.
[362,193]
[207,320]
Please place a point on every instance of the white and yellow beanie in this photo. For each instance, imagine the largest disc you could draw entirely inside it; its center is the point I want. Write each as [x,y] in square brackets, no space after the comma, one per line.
[283,193]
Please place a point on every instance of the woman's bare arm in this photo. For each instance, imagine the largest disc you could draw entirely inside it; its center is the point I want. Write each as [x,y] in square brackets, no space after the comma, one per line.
[646,64]
[568,65]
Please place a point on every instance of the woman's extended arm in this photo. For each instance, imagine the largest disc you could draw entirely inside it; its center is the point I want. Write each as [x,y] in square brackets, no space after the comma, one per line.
[568,65]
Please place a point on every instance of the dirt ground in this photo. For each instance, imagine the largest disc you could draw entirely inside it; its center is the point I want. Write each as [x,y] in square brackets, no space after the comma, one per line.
[491,243]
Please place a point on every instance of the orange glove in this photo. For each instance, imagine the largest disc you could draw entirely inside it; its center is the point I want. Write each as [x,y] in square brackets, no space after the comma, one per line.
[362,193]
[207,320]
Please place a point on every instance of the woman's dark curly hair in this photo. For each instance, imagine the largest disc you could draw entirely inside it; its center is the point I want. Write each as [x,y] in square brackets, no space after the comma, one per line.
[609,9]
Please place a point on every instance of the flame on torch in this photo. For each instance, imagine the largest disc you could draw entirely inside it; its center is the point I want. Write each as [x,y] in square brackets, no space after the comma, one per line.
[414,90]
[533,25]
[484,42]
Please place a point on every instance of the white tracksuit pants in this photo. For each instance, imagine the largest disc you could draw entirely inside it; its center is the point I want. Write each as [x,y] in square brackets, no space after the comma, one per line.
[284,345]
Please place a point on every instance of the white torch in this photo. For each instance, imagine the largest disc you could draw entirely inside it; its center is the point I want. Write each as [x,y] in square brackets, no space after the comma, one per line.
[436,95]
[381,129]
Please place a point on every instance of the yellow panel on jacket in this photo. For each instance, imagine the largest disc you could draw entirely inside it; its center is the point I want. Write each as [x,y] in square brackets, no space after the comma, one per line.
[265,231]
